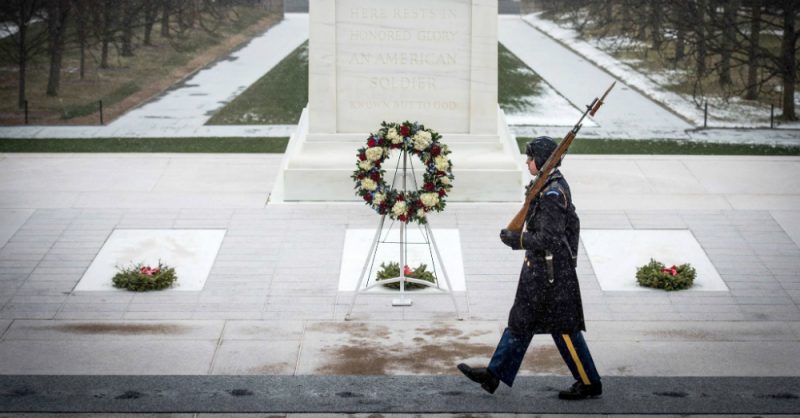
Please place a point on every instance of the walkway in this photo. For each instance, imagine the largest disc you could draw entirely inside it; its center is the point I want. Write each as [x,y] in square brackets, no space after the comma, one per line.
[271,308]
[578,80]
[192,103]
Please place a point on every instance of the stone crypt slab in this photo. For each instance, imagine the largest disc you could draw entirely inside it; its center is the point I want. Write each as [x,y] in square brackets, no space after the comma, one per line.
[190,251]
[430,61]
[615,255]
[358,241]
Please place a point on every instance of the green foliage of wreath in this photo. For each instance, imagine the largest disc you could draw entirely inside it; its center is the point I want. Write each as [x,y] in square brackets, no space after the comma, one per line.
[656,275]
[142,278]
[393,271]
[411,205]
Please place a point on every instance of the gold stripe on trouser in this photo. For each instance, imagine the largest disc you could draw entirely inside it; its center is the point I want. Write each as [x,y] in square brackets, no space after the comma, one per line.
[576,359]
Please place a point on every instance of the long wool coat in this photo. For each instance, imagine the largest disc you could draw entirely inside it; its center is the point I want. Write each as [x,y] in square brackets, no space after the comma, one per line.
[541,306]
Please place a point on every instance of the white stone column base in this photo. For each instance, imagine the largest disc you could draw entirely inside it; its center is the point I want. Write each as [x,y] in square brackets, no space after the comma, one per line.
[317,167]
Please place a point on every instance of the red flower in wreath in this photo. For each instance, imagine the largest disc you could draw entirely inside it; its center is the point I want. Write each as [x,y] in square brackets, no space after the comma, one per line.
[672,271]
[405,130]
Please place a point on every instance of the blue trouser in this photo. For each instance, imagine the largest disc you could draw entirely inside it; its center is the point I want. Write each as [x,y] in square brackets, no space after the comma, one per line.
[511,349]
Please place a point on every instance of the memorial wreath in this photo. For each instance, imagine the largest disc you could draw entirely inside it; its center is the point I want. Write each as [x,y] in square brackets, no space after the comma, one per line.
[405,206]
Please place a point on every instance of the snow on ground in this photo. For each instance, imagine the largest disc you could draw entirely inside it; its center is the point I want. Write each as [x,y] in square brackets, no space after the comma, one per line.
[547,109]
[736,113]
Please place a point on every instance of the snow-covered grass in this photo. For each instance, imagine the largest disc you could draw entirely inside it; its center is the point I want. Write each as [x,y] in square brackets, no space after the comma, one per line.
[548,108]
[526,99]
[735,112]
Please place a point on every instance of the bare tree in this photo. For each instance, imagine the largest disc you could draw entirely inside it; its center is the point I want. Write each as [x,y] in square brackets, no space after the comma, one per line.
[166,10]
[25,43]
[789,58]
[58,12]
[752,50]
[150,13]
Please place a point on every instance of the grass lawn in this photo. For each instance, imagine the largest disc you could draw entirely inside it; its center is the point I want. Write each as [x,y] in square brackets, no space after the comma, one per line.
[515,82]
[668,147]
[279,96]
[278,145]
[129,80]
[188,145]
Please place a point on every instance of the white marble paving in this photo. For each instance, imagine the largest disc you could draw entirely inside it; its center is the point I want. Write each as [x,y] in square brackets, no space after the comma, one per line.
[358,241]
[616,254]
[190,252]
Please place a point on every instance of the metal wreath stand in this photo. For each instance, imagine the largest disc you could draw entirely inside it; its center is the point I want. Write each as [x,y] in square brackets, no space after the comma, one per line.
[402,279]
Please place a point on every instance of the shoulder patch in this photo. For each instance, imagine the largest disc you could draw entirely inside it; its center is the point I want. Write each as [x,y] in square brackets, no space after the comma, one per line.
[557,193]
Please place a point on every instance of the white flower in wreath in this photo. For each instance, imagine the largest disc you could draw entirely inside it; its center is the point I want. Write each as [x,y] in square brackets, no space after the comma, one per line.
[378,199]
[420,213]
[393,136]
[445,180]
[368,184]
[429,199]
[422,140]
[442,163]
[399,208]
[365,165]
[374,153]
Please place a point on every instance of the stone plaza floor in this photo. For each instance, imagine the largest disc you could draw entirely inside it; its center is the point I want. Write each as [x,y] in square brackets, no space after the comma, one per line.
[271,304]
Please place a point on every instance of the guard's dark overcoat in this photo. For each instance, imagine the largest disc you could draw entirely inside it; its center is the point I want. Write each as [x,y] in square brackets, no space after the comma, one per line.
[542,307]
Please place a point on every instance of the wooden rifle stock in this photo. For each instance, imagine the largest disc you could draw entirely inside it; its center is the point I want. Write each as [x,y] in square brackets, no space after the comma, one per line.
[518,222]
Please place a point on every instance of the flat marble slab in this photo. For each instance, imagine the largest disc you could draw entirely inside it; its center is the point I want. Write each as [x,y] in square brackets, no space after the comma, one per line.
[616,254]
[357,243]
[10,222]
[190,251]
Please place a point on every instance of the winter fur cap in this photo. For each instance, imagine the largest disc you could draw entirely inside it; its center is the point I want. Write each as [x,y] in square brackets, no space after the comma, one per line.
[540,149]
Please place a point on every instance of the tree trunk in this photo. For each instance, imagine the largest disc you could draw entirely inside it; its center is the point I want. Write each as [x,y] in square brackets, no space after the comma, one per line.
[655,23]
[127,28]
[165,11]
[57,15]
[752,51]
[680,32]
[728,35]
[150,10]
[789,59]
[22,31]
[107,34]
[80,20]
[701,38]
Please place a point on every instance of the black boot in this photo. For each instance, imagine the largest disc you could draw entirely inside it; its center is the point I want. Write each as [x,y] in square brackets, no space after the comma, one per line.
[480,375]
[580,391]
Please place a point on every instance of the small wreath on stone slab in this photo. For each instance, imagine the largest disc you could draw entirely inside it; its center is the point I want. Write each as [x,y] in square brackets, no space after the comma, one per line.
[656,275]
[404,206]
[141,277]
[392,271]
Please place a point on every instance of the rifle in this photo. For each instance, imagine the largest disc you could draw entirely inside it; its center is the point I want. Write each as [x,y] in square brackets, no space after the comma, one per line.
[518,221]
